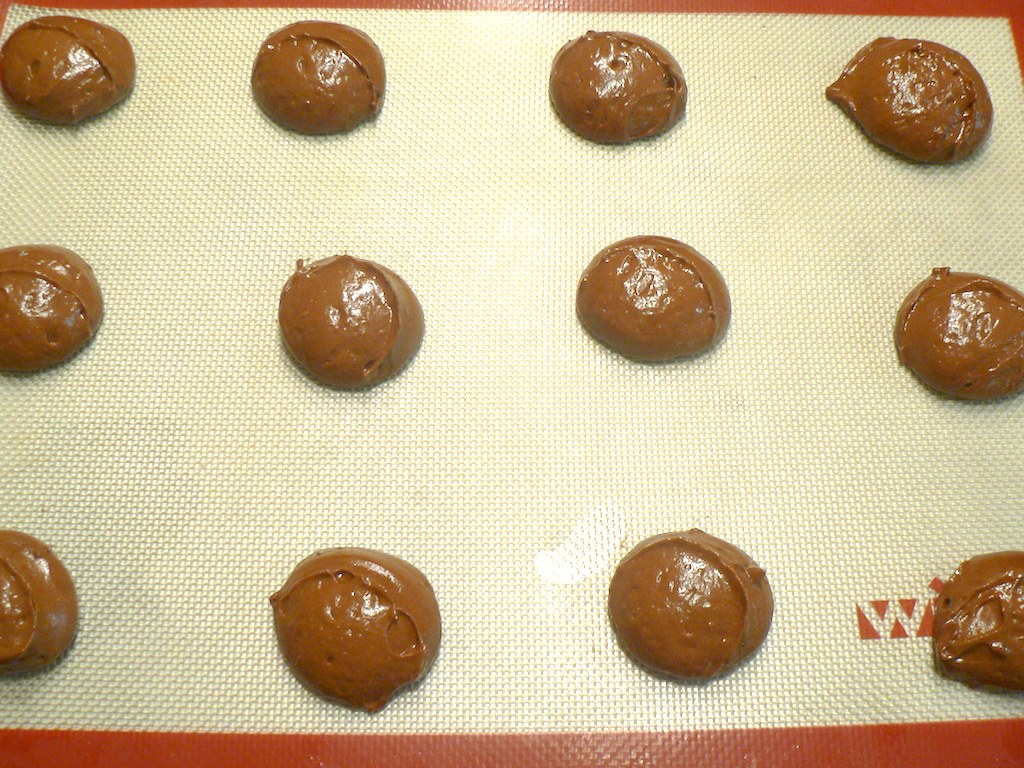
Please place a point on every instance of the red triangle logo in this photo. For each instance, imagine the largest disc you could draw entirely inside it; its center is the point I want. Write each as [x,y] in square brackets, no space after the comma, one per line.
[880,606]
[866,629]
[908,607]
[898,630]
[927,622]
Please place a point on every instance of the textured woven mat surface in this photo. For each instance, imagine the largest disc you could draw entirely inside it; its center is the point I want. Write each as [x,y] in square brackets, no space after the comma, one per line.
[182,465]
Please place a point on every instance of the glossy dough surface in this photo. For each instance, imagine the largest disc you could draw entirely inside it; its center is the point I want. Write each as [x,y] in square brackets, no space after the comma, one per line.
[979,622]
[350,323]
[616,87]
[63,69]
[653,298]
[920,99]
[319,77]
[50,306]
[962,334]
[38,604]
[689,605]
[355,625]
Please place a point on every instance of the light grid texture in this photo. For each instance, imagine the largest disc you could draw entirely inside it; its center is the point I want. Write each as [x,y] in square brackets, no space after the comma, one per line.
[182,465]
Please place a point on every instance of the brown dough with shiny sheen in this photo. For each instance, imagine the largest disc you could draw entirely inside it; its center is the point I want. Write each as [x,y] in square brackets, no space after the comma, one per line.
[62,69]
[978,633]
[922,100]
[318,77]
[38,604]
[653,298]
[963,335]
[355,625]
[616,87]
[689,605]
[350,323]
[50,306]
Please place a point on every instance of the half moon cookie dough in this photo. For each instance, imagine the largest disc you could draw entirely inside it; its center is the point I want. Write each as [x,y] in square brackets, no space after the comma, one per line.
[318,77]
[355,625]
[653,298]
[979,622]
[62,69]
[38,604]
[616,87]
[963,335]
[921,100]
[689,605]
[350,323]
[50,306]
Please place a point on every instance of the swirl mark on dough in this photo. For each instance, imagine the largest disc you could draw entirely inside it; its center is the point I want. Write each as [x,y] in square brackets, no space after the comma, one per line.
[979,621]
[81,42]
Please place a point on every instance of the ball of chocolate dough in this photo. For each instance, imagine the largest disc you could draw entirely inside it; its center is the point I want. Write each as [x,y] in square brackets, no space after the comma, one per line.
[978,634]
[356,625]
[922,100]
[50,306]
[318,77]
[62,69]
[963,335]
[616,87]
[689,605]
[350,323]
[38,604]
[653,298]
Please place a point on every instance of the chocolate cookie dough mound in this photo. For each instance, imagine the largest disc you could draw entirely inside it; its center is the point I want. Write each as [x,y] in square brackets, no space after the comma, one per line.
[978,634]
[356,625]
[50,306]
[350,323]
[921,100]
[689,605]
[318,77]
[62,69]
[38,604]
[963,335]
[653,298]
[616,87]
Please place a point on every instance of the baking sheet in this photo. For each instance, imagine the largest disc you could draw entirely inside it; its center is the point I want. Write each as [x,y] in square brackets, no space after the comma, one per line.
[182,465]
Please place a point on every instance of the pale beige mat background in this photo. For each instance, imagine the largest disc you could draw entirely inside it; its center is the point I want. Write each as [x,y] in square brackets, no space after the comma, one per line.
[182,465]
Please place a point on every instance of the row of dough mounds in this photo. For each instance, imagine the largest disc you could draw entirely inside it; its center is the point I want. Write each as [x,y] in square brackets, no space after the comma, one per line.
[917,98]
[356,625]
[352,323]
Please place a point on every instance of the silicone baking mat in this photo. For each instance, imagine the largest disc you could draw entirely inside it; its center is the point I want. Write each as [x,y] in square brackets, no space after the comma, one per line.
[182,465]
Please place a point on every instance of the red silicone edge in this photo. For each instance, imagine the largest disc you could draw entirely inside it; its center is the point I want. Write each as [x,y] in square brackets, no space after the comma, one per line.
[974,744]
[964,744]
[1004,8]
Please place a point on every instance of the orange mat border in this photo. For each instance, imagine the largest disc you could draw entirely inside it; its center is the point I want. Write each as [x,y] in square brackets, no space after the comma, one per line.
[964,744]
